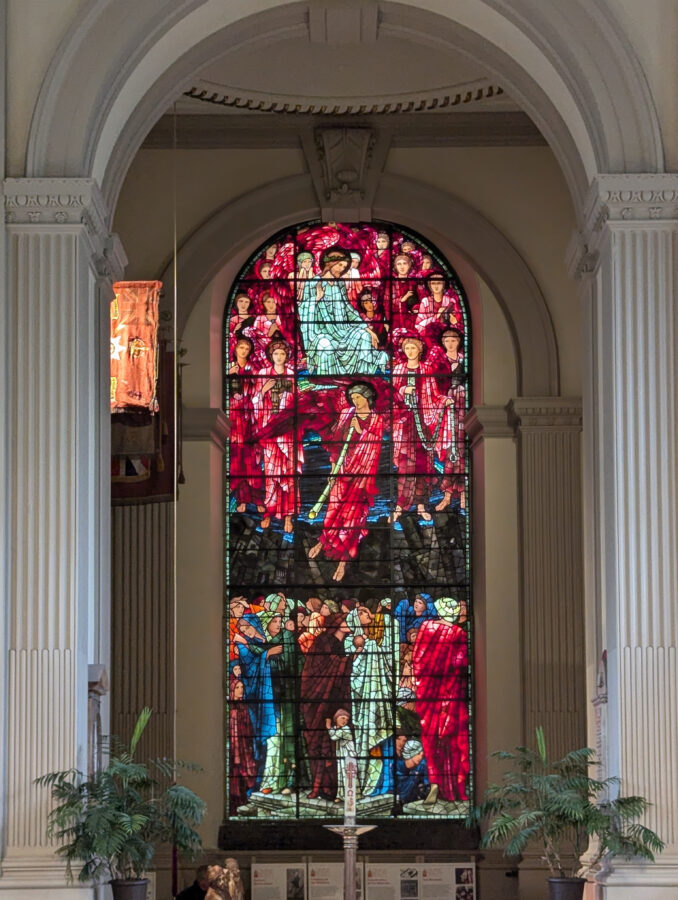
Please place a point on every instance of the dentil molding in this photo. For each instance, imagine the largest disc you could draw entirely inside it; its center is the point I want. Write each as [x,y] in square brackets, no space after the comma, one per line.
[545,413]
[644,200]
[66,203]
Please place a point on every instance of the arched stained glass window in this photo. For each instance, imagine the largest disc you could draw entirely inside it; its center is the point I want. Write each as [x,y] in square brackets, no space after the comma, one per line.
[347,530]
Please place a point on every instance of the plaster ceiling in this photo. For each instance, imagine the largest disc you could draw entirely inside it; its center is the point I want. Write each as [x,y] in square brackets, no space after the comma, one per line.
[388,74]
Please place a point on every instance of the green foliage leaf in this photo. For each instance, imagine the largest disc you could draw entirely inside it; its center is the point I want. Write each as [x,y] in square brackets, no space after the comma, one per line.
[111,821]
[560,805]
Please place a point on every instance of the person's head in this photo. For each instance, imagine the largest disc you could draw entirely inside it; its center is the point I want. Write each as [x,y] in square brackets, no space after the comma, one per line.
[451,340]
[275,625]
[336,624]
[383,240]
[426,262]
[269,303]
[247,629]
[413,348]
[304,260]
[419,605]
[365,616]
[402,265]
[301,617]
[202,877]
[436,283]
[278,352]
[408,247]
[412,635]
[336,261]
[341,717]
[361,395]
[366,302]
[271,251]
[355,259]
[237,690]
[243,303]
[400,741]
[315,604]
[265,269]
[238,605]
[243,348]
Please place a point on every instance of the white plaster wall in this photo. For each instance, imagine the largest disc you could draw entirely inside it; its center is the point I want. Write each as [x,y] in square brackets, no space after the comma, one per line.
[652,28]
[34,30]
[520,190]
[205,181]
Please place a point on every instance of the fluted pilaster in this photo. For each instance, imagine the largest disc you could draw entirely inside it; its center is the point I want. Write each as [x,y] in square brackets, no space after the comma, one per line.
[627,257]
[142,623]
[549,465]
[60,256]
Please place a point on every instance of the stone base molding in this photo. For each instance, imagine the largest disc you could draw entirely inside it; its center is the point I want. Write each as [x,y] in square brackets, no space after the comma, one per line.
[626,258]
[61,261]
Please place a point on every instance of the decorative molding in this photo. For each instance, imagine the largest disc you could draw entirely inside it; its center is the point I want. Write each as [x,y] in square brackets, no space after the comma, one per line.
[67,203]
[621,202]
[345,164]
[422,101]
[487,422]
[219,131]
[545,414]
[204,423]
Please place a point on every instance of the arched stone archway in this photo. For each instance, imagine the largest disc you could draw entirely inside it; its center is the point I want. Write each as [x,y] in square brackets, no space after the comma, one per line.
[572,73]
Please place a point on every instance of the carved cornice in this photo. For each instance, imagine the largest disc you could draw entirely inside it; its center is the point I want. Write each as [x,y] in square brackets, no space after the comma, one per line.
[66,203]
[487,422]
[442,98]
[205,423]
[646,200]
[545,414]
[345,164]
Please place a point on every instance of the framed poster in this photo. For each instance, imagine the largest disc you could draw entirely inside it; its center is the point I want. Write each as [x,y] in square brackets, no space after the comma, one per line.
[279,881]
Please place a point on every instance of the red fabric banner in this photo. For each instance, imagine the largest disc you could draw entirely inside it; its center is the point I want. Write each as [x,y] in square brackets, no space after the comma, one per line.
[134,345]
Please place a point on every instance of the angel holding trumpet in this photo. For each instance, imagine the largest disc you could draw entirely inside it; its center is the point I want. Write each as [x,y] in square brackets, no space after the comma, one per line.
[352,486]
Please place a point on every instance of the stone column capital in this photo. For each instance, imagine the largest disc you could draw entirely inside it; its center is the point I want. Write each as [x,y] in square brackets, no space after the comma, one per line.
[621,202]
[532,414]
[44,204]
[487,422]
[205,423]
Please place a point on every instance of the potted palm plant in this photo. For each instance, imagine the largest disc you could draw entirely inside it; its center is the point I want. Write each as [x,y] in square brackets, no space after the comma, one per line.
[559,806]
[110,822]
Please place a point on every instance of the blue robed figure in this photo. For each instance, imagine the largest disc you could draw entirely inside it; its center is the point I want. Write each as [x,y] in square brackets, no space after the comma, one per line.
[412,615]
[337,341]
[256,677]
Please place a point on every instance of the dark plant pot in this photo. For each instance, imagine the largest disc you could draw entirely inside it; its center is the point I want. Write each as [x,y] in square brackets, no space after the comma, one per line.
[129,890]
[566,888]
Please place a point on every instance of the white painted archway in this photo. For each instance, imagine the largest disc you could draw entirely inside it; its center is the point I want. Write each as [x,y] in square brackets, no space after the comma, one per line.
[569,69]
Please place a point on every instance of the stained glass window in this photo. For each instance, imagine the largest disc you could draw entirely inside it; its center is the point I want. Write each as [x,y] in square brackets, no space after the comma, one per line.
[347,557]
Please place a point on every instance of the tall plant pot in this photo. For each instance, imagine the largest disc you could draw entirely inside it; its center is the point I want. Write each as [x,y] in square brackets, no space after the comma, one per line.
[566,888]
[129,890]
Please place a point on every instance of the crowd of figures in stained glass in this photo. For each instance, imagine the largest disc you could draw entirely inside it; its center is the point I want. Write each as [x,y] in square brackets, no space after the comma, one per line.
[347,529]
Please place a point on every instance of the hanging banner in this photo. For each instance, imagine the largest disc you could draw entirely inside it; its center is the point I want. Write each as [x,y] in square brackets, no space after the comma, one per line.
[134,345]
